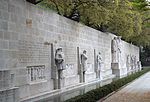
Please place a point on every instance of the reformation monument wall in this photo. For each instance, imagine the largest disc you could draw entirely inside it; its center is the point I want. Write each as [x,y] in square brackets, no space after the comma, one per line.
[42,52]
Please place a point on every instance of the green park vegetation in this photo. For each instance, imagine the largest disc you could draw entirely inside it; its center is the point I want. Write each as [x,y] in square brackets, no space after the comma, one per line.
[97,94]
[127,18]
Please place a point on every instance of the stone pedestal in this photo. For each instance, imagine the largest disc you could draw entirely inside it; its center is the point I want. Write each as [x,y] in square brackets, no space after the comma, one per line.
[118,71]
[115,66]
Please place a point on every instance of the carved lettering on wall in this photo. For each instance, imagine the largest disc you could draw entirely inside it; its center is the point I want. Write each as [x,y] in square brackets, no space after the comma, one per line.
[33,52]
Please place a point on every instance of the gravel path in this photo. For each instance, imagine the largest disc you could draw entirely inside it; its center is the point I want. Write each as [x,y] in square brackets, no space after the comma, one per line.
[137,91]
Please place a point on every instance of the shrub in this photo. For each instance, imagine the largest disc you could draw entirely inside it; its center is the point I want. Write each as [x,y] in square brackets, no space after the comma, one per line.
[96,94]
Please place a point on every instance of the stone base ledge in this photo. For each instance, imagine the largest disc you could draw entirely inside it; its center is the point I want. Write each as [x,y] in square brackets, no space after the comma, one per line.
[111,76]
[7,89]
[37,82]
[10,94]
[71,80]
[52,93]
[89,73]
[41,96]
[106,70]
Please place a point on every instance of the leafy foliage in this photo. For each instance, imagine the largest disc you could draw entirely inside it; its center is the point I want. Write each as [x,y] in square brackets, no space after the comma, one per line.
[145,55]
[127,18]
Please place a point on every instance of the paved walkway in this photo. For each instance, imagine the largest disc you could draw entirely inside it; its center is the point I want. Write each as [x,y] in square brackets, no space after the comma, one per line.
[137,91]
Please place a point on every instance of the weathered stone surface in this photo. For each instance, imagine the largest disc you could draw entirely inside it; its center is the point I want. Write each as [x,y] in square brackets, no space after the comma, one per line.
[4,44]
[1,34]
[23,34]
[4,15]
[10,95]
[4,5]
[123,67]
[7,35]
[3,25]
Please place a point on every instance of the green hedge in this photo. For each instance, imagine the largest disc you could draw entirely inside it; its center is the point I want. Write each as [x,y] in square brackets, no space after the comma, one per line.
[97,94]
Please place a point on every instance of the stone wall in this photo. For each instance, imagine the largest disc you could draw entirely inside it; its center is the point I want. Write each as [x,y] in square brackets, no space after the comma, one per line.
[8,93]
[24,31]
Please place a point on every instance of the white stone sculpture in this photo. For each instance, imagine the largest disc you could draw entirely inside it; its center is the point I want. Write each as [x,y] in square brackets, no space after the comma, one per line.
[135,63]
[132,63]
[128,64]
[99,65]
[139,65]
[84,60]
[114,50]
[83,65]
[119,44]
[59,61]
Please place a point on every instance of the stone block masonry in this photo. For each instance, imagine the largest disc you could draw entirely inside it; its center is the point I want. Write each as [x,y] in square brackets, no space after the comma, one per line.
[8,93]
[29,37]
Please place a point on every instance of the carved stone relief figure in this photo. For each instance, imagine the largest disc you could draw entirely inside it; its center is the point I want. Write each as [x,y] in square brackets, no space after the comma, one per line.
[139,65]
[114,50]
[135,63]
[132,63]
[119,49]
[128,64]
[59,61]
[83,65]
[99,64]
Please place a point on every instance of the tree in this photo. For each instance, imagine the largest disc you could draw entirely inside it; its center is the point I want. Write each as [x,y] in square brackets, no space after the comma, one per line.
[141,6]
[126,18]
[145,55]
